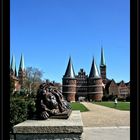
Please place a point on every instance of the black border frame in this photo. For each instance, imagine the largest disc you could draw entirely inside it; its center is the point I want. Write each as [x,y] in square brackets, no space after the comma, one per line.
[134,63]
[5,58]
[5,79]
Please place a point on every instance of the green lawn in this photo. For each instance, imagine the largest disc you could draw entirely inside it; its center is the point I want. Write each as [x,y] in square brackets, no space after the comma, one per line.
[120,105]
[78,106]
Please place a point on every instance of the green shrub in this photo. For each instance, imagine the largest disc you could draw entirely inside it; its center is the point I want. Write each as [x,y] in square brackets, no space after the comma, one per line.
[21,109]
[18,111]
[31,108]
[105,97]
[121,99]
[128,98]
[111,97]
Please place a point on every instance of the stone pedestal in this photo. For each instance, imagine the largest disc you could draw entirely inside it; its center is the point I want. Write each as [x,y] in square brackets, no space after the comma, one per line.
[51,129]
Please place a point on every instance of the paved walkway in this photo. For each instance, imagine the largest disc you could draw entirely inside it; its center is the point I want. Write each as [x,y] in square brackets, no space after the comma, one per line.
[106,133]
[103,123]
[100,116]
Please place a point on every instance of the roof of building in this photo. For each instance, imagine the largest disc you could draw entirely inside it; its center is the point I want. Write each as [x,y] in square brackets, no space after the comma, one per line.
[127,84]
[109,82]
[102,58]
[15,71]
[94,70]
[22,66]
[13,64]
[70,70]
[121,82]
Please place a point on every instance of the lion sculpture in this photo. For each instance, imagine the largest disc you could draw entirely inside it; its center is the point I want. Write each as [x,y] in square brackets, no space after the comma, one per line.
[50,103]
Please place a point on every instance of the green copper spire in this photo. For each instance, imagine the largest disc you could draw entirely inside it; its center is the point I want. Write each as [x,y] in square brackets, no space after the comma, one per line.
[70,70]
[13,64]
[15,70]
[21,66]
[94,71]
[102,58]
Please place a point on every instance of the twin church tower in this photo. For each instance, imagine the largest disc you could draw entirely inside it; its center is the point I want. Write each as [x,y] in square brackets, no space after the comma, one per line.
[18,78]
[90,87]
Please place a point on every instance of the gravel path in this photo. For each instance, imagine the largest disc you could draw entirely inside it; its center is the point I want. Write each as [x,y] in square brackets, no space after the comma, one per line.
[100,116]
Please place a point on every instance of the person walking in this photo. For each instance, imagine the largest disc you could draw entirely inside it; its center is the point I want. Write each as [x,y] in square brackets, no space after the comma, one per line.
[115,101]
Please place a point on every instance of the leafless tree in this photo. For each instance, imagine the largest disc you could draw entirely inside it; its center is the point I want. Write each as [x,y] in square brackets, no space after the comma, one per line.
[33,79]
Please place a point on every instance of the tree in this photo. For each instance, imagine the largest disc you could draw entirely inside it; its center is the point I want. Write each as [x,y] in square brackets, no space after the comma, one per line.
[12,86]
[56,84]
[33,79]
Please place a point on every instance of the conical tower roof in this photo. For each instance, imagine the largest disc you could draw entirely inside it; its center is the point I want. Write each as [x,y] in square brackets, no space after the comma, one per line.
[102,58]
[94,71]
[12,67]
[15,70]
[70,70]
[22,66]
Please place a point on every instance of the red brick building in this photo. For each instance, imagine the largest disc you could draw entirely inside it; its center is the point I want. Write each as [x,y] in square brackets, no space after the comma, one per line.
[82,85]
[123,89]
[111,87]
[92,86]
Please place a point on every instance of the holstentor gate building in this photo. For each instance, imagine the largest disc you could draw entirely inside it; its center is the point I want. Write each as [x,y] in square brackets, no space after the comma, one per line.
[82,85]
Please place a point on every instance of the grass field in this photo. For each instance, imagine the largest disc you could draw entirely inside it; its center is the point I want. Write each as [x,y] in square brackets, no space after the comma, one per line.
[120,105]
[78,106]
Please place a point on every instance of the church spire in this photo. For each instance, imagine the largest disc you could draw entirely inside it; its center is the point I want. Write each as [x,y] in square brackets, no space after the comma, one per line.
[15,70]
[21,72]
[94,71]
[102,58]
[70,70]
[12,67]
[21,66]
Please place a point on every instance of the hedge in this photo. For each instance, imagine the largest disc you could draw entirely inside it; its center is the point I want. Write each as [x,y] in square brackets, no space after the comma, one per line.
[21,109]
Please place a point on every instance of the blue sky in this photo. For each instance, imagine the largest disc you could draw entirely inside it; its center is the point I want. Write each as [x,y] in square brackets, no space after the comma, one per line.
[47,32]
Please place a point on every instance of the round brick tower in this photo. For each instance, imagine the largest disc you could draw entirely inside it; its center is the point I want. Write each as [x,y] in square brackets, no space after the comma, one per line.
[69,83]
[95,89]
